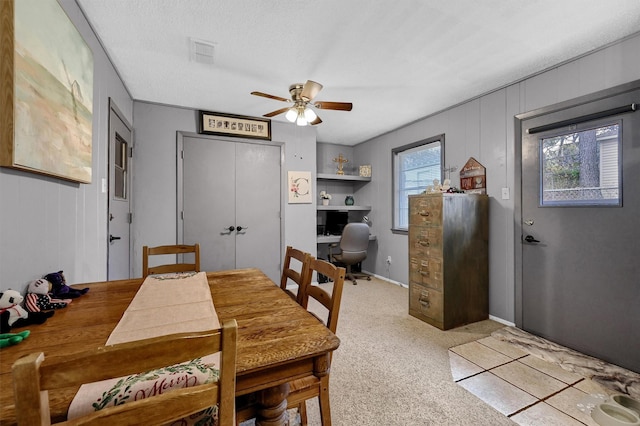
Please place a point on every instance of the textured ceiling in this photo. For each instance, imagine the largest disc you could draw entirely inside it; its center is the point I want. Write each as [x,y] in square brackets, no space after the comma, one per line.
[397,61]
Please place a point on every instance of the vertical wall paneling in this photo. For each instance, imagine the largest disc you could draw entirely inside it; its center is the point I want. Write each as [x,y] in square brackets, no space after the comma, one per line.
[154,184]
[47,224]
[489,133]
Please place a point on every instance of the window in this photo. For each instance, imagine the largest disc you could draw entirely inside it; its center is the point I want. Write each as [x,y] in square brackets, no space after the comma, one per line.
[415,166]
[581,167]
[120,168]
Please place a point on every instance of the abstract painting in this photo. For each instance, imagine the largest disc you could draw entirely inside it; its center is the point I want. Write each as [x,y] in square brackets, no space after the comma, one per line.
[52,92]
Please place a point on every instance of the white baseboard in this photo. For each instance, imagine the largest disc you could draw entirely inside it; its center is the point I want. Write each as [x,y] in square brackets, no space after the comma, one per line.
[501,321]
[380,277]
[492,317]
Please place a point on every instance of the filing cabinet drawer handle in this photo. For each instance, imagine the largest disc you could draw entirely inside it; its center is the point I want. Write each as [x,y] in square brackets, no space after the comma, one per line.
[425,243]
[424,301]
[425,272]
[424,213]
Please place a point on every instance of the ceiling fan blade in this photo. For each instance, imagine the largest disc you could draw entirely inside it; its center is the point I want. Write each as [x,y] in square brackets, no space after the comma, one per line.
[266,95]
[316,121]
[276,112]
[340,106]
[310,90]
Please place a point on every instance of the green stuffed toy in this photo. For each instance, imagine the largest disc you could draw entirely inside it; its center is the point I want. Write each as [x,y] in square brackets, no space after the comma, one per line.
[10,339]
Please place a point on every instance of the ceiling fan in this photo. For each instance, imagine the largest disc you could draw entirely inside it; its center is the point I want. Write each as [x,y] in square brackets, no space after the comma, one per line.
[302,96]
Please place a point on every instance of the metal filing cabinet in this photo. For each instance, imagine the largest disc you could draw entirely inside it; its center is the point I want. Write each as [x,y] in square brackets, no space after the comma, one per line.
[448,258]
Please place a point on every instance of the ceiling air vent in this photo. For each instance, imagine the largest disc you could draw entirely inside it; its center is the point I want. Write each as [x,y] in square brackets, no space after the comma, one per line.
[201,51]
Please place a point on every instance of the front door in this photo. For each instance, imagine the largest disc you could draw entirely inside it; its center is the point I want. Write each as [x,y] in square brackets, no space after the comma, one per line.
[231,203]
[119,196]
[580,233]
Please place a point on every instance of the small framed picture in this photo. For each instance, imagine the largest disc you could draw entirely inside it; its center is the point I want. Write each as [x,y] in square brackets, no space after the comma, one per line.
[365,171]
[300,187]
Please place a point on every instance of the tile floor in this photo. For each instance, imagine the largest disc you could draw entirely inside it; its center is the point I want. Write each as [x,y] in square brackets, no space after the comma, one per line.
[527,389]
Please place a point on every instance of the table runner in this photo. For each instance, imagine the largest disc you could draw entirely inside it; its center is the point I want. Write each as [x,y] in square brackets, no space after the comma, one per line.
[165,304]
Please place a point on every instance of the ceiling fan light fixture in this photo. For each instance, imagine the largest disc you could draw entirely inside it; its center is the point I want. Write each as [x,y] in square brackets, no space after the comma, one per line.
[309,115]
[301,121]
[291,115]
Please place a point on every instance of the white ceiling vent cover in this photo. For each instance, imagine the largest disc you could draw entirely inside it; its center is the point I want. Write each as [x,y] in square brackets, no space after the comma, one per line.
[201,51]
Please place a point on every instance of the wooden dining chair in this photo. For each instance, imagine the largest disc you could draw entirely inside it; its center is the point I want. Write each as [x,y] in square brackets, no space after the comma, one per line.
[312,386]
[295,268]
[305,388]
[170,267]
[34,377]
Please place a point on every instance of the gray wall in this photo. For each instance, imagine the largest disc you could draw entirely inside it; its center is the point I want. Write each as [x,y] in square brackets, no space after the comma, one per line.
[47,224]
[154,183]
[483,128]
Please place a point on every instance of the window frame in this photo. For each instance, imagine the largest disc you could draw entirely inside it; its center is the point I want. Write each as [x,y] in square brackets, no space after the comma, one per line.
[395,206]
[584,126]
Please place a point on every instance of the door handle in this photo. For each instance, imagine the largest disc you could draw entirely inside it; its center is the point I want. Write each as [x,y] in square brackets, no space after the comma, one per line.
[112,238]
[530,239]
[240,228]
[230,229]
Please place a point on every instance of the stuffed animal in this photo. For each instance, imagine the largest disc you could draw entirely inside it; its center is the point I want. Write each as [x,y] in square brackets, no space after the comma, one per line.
[38,298]
[60,289]
[10,339]
[14,315]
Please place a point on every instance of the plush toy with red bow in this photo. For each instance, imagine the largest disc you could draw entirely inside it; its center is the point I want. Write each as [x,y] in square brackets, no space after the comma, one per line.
[38,298]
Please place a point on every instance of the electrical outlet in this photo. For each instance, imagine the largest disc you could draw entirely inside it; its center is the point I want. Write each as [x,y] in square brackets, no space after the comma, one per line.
[389,260]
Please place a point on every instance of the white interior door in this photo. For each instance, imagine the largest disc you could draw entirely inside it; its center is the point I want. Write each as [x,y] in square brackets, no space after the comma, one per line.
[231,203]
[119,197]
[580,206]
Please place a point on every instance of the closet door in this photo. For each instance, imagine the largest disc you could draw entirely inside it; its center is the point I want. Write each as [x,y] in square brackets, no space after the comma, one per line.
[231,203]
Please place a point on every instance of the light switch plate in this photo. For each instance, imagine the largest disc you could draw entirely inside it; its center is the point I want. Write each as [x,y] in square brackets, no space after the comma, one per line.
[505,194]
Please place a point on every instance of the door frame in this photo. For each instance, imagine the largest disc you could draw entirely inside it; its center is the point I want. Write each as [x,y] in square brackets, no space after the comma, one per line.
[113,108]
[518,129]
[180,135]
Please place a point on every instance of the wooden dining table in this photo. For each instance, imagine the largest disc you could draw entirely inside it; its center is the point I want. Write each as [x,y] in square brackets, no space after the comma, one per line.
[278,340]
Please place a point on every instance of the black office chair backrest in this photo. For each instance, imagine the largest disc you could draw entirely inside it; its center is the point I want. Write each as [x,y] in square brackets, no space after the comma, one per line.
[354,242]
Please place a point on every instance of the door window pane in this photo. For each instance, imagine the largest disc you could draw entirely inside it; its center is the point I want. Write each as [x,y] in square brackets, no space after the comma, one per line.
[581,167]
[120,168]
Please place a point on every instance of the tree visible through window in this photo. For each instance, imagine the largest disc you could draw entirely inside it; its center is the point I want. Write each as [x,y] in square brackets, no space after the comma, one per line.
[581,167]
[415,166]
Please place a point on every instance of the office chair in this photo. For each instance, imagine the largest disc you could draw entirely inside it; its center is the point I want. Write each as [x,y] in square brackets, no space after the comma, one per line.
[354,242]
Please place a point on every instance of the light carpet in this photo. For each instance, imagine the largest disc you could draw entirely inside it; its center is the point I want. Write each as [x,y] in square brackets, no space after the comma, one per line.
[393,369]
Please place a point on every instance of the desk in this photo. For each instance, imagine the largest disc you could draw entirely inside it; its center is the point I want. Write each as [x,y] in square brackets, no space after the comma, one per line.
[278,341]
[333,239]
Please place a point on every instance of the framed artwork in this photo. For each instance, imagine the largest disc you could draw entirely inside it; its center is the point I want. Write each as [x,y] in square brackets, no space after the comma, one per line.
[299,187]
[48,80]
[217,123]
[365,171]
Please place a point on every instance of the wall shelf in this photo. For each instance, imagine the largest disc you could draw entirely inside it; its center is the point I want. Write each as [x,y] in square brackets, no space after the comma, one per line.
[342,184]
[351,178]
[343,208]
